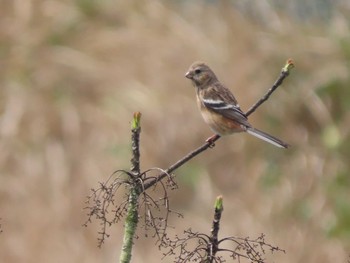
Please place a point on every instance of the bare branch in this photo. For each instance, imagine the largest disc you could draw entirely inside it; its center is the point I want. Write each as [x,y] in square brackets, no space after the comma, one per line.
[284,73]
[199,247]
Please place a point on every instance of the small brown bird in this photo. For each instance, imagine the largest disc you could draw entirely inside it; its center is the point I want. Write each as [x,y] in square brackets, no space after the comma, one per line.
[219,107]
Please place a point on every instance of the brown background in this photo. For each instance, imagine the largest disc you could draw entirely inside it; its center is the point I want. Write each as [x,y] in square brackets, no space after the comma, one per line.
[73,72]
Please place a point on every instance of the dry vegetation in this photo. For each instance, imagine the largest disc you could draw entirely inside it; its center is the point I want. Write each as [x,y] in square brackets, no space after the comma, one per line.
[73,72]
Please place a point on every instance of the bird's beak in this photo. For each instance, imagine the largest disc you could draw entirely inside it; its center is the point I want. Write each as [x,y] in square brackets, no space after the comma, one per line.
[189,75]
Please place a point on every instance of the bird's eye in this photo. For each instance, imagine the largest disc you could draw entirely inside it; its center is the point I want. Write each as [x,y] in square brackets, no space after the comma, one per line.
[197,71]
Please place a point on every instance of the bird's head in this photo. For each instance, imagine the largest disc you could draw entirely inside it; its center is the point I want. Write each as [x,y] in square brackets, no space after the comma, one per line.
[200,74]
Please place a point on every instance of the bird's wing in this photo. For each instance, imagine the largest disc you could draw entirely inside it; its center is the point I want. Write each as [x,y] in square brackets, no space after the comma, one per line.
[220,100]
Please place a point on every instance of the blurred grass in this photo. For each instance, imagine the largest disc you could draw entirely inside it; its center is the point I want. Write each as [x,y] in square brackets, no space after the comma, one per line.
[73,72]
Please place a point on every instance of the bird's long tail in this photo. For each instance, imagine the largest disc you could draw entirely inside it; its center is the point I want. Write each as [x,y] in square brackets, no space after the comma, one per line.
[267,137]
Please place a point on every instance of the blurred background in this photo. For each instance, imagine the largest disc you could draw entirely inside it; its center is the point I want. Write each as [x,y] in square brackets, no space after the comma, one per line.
[73,72]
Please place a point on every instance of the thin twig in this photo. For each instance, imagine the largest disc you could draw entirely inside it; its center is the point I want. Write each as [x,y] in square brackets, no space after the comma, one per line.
[284,73]
[180,162]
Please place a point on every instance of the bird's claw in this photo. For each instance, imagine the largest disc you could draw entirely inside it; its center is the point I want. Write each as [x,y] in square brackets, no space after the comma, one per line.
[211,140]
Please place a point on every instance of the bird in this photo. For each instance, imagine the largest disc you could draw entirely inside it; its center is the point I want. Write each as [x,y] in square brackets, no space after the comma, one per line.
[219,107]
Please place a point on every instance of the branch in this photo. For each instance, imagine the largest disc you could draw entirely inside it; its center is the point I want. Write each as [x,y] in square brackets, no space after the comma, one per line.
[213,244]
[200,247]
[150,208]
[135,145]
[284,73]
[210,143]
[179,163]
[132,213]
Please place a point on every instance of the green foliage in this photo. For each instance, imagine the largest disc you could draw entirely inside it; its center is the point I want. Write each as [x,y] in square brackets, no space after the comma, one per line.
[61,34]
[271,178]
[219,203]
[136,120]
[344,44]
[193,172]
[89,8]
[338,192]
[331,137]
[338,92]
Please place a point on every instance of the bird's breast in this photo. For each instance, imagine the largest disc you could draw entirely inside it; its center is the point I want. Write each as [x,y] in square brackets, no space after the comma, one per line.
[217,122]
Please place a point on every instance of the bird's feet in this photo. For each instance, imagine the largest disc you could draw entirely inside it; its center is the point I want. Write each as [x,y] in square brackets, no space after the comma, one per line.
[211,140]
